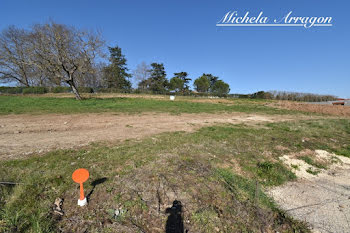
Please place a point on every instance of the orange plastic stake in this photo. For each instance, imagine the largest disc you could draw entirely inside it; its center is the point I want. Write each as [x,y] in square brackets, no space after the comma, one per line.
[80,176]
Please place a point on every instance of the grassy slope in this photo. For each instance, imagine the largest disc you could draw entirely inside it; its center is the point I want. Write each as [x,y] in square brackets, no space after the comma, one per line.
[212,171]
[42,105]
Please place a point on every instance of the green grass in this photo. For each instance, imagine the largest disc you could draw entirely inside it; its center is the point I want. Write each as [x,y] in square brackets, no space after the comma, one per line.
[273,173]
[345,151]
[43,105]
[199,166]
[313,171]
[310,161]
[244,188]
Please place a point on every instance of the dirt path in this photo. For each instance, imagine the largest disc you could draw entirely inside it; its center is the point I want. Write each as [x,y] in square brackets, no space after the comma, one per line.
[323,200]
[22,135]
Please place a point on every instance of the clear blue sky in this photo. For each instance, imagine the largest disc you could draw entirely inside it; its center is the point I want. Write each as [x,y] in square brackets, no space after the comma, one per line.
[182,35]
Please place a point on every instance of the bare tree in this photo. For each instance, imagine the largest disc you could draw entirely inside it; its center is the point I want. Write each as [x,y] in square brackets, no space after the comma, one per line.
[61,52]
[14,52]
[91,79]
[298,96]
[141,73]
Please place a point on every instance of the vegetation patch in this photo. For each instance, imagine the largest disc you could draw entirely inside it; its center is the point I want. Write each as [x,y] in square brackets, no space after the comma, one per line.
[313,171]
[44,105]
[274,173]
[312,162]
[141,179]
[345,151]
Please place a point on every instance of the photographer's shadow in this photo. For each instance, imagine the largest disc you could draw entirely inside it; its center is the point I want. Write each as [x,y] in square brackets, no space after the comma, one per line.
[174,223]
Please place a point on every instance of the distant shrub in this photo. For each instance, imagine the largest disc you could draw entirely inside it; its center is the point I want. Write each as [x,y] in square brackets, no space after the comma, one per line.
[85,90]
[141,91]
[34,90]
[60,89]
[297,96]
[42,90]
[23,90]
[113,90]
[262,95]
[293,96]
[240,96]
[11,90]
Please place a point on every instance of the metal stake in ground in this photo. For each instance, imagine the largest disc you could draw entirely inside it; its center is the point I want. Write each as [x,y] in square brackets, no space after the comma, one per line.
[80,176]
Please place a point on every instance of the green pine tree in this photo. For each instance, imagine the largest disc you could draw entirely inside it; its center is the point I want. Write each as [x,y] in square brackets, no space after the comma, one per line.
[158,81]
[116,74]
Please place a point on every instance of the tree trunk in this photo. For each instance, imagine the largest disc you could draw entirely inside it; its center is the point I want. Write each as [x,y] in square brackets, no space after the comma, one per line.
[74,89]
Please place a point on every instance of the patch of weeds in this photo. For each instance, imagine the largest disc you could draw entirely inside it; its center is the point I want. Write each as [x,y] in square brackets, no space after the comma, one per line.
[243,188]
[136,202]
[283,218]
[139,163]
[116,214]
[295,166]
[205,217]
[307,159]
[344,151]
[127,169]
[273,173]
[310,161]
[335,159]
[109,189]
[11,220]
[313,171]
[118,198]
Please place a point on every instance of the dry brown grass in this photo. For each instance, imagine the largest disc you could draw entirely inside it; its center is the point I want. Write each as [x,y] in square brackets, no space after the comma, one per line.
[335,110]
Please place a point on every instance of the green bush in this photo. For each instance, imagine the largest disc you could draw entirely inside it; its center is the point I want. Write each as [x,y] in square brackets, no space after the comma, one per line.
[60,89]
[85,90]
[11,90]
[261,95]
[34,90]
[42,90]
[114,90]
[23,90]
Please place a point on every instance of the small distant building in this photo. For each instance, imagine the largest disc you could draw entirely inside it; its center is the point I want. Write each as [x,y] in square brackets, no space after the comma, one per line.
[345,102]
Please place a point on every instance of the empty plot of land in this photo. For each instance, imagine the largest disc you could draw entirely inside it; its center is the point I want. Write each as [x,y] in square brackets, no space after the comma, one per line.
[26,134]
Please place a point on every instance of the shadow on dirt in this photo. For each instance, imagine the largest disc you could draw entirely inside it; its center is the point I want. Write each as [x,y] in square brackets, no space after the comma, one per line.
[94,183]
[174,223]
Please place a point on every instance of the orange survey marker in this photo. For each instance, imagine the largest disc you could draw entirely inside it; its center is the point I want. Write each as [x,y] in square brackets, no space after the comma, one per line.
[80,176]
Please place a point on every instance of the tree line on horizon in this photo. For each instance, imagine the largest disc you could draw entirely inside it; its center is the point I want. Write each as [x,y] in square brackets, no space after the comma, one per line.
[58,55]
[292,96]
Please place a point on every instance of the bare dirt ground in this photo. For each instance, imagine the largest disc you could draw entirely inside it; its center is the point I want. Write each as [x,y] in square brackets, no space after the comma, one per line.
[322,200]
[22,135]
